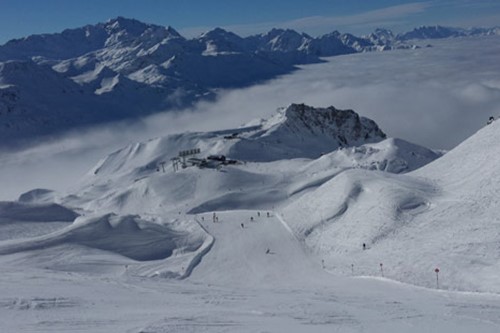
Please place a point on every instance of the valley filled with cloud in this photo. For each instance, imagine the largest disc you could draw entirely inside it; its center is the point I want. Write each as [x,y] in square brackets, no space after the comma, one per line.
[433,96]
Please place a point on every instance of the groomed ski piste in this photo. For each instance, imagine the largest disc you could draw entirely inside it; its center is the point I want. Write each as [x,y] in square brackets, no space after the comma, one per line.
[269,242]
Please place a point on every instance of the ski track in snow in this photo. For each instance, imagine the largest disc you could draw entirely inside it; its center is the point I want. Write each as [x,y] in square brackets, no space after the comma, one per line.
[235,287]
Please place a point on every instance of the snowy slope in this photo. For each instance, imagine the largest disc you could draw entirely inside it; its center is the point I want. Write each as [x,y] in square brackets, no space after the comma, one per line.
[133,184]
[36,100]
[252,248]
[141,228]
[28,106]
[285,143]
[152,246]
[444,215]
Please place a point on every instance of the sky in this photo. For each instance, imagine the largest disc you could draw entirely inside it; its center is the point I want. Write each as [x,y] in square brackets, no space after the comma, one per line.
[20,18]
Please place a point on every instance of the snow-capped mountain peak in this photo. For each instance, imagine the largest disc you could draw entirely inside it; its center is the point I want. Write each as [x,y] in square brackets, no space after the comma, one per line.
[285,40]
[437,32]
[218,33]
[346,126]
[131,26]
[129,32]
[382,36]
[218,41]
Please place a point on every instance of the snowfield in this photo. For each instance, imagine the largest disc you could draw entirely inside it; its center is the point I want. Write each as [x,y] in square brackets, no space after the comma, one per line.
[268,238]
[443,215]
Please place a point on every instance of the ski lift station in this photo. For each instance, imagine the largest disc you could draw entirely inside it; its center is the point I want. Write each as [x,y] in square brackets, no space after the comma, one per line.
[188,158]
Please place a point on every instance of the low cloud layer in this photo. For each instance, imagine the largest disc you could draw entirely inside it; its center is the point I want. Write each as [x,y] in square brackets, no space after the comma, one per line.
[319,25]
[436,97]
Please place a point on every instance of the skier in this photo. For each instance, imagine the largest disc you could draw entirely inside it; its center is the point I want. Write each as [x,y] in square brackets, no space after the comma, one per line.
[267,214]
[268,251]
[364,246]
[242,226]
[490,120]
[258,214]
[251,218]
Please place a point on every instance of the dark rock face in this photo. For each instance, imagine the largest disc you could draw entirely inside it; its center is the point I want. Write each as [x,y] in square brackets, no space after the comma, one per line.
[303,131]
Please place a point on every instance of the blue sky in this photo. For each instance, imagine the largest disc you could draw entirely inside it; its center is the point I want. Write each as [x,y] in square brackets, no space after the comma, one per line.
[19,18]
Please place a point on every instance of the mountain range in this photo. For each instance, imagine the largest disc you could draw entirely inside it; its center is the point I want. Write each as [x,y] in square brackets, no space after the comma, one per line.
[126,69]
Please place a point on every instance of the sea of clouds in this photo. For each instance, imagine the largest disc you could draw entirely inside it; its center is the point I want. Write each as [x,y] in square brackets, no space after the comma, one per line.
[433,96]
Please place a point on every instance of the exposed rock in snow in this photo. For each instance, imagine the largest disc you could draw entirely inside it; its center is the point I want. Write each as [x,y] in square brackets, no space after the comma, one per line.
[304,131]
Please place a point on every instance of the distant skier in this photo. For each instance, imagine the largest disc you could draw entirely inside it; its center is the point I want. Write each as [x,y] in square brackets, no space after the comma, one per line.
[258,214]
[364,246]
[242,226]
[490,120]
[268,214]
[268,251]
[251,218]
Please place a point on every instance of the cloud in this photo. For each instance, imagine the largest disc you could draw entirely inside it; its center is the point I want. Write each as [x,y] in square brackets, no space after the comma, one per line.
[374,17]
[435,97]
[324,24]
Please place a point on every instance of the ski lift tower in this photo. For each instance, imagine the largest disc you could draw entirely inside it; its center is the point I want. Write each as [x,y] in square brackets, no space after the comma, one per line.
[175,163]
[183,154]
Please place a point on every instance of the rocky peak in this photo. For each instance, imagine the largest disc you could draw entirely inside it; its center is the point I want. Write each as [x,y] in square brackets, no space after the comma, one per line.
[283,40]
[124,31]
[305,131]
[220,40]
[218,33]
[131,26]
[381,36]
[346,126]
[432,32]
